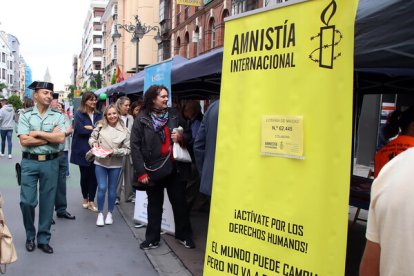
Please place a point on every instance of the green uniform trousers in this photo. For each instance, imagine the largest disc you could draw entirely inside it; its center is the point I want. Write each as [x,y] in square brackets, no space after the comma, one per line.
[46,174]
[60,201]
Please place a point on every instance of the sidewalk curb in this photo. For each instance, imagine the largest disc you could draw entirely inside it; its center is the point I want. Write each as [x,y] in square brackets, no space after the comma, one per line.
[163,259]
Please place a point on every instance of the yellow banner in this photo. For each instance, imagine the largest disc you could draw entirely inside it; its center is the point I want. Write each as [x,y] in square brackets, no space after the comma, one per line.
[272,214]
[196,3]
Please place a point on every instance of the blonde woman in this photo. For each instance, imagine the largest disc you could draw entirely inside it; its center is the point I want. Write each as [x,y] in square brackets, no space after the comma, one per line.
[111,138]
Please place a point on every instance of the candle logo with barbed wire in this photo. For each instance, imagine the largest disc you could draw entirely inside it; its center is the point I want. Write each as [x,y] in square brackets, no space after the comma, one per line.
[329,38]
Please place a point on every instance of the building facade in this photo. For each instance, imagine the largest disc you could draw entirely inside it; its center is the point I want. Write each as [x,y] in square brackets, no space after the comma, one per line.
[6,65]
[15,66]
[190,31]
[63,94]
[74,70]
[79,73]
[122,52]
[110,51]
[92,40]
[22,78]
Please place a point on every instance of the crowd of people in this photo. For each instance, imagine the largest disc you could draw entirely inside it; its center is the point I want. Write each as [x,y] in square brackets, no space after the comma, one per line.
[130,142]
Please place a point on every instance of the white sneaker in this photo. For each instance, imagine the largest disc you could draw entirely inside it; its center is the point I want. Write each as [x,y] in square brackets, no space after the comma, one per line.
[100,220]
[2,154]
[10,156]
[109,219]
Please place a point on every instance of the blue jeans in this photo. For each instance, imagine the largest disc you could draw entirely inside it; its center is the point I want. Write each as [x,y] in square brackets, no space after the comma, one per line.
[107,180]
[6,133]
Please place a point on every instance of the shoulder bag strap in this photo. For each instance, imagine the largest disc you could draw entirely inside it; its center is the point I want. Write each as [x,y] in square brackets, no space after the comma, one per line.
[163,163]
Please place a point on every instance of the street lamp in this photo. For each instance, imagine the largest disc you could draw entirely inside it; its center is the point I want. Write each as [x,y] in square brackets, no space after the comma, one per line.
[138,31]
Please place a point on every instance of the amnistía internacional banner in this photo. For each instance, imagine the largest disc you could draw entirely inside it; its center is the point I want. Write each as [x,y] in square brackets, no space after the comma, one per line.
[283,157]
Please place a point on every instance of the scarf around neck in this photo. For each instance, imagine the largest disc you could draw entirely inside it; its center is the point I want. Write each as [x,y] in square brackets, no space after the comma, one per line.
[159,120]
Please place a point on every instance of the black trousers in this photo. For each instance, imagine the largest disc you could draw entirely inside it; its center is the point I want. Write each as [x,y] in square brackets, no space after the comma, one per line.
[176,193]
[88,182]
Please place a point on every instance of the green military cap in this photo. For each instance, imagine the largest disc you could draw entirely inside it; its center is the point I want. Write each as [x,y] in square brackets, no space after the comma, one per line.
[41,85]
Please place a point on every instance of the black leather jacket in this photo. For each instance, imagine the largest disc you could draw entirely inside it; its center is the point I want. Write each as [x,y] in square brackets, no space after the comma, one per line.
[146,143]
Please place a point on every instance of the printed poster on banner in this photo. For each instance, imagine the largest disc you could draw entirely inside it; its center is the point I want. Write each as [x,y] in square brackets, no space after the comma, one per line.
[283,209]
[159,73]
[282,135]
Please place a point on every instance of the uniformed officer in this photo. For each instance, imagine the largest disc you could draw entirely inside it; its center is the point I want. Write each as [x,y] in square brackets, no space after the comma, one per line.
[60,201]
[41,130]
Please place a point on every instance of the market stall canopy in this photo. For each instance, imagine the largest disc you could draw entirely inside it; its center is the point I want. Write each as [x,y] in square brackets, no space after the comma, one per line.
[109,90]
[384,34]
[384,47]
[203,65]
[199,77]
[135,83]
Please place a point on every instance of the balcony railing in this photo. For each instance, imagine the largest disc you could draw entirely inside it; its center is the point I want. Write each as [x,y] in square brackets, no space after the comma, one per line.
[110,66]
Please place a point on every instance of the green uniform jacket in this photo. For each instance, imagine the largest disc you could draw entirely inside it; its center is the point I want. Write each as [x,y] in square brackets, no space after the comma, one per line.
[31,120]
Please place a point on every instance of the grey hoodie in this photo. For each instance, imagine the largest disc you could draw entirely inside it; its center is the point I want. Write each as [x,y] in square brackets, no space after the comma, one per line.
[7,117]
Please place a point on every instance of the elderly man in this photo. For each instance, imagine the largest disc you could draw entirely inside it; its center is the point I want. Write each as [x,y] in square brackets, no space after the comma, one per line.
[60,201]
